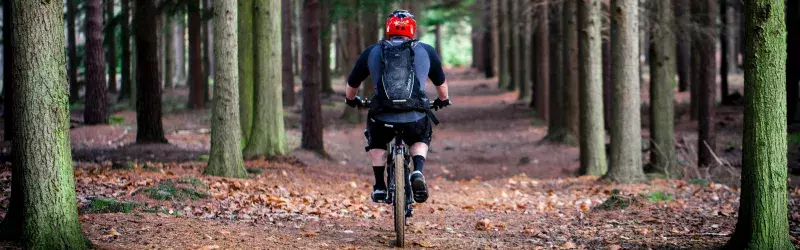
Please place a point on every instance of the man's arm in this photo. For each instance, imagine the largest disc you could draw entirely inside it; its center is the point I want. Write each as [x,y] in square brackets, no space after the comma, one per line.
[350,92]
[436,73]
[442,92]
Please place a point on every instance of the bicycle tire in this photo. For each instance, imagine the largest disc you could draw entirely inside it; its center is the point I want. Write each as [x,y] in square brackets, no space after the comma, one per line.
[399,199]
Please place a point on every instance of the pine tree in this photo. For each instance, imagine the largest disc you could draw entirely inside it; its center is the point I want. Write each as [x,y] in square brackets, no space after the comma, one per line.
[662,92]
[8,85]
[684,44]
[762,221]
[312,113]
[226,155]
[197,99]
[267,136]
[148,84]
[593,139]
[626,148]
[704,51]
[287,75]
[96,92]
[557,130]
[570,68]
[325,46]
[542,53]
[41,216]
[246,91]
[111,45]
[125,42]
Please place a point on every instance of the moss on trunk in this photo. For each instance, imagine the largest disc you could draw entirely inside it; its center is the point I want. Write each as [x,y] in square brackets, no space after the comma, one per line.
[593,139]
[245,38]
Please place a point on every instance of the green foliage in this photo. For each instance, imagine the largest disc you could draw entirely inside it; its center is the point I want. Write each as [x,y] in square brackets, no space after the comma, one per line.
[255,171]
[171,190]
[109,205]
[163,210]
[524,160]
[202,158]
[116,120]
[658,196]
[616,201]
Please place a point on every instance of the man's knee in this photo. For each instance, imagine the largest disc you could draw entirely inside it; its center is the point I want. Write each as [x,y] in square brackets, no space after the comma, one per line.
[378,156]
[419,148]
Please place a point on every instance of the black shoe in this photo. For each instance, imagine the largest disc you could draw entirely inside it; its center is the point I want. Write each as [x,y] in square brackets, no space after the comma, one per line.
[418,187]
[378,194]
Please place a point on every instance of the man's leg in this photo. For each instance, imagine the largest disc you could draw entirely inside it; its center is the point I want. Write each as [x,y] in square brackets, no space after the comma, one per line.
[418,153]
[378,157]
[420,189]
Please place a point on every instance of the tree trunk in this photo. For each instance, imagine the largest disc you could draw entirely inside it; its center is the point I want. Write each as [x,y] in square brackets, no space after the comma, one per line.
[197,98]
[542,54]
[792,58]
[437,35]
[225,158]
[208,51]
[72,54]
[570,70]
[8,79]
[662,92]
[725,49]
[487,39]
[352,39]
[626,148]
[246,91]
[763,222]
[169,52]
[593,135]
[516,47]
[557,130]
[42,212]
[525,58]
[492,9]
[325,46]
[268,137]
[704,49]
[148,86]
[111,51]
[125,35]
[369,36]
[287,76]
[684,35]
[179,48]
[312,113]
[96,93]
[607,83]
[505,43]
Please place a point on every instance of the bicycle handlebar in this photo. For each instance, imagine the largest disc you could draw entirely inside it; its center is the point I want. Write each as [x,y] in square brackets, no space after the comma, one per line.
[365,104]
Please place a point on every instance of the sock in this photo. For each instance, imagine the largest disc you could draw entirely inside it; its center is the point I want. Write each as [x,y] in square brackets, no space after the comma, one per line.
[379,180]
[419,161]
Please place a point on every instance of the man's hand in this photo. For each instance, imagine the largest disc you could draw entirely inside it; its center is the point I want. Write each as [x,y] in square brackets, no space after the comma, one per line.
[438,103]
[355,102]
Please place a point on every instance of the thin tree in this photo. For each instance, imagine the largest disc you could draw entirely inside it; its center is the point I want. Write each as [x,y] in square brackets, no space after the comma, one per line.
[593,139]
[704,50]
[208,49]
[488,41]
[725,48]
[245,38]
[267,136]
[125,43]
[96,92]
[369,36]
[111,46]
[351,35]
[762,221]
[515,66]
[72,54]
[169,52]
[287,75]
[662,91]
[179,47]
[542,53]
[494,31]
[325,46]
[197,98]
[41,216]
[570,68]
[525,61]
[225,158]
[312,113]
[8,85]
[505,43]
[148,84]
[684,44]
[626,148]
[557,130]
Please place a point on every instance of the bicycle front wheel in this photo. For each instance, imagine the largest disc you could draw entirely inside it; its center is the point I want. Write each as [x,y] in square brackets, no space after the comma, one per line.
[399,199]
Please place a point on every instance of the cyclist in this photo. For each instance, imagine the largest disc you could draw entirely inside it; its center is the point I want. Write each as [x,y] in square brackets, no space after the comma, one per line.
[399,65]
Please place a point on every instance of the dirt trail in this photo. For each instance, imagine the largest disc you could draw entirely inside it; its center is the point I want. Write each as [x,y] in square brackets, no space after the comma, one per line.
[493,185]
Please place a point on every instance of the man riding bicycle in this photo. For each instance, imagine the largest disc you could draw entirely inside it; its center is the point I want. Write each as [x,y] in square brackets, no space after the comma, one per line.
[398,66]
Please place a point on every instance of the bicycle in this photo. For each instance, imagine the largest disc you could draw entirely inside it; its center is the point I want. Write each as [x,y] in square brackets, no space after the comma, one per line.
[398,167]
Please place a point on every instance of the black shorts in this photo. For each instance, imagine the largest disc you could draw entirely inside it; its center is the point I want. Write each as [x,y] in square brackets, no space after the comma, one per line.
[379,133]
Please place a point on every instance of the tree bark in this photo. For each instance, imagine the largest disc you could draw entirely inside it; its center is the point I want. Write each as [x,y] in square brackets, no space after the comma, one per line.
[42,212]
[593,136]
[557,130]
[487,39]
[72,54]
[526,55]
[169,52]
[125,34]
[8,79]
[325,46]
[179,48]
[505,43]
[246,91]
[352,39]
[369,36]
[208,51]
[95,111]
[762,221]
[437,35]
[111,45]
[148,85]
[225,158]
[704,48]
[684,48]
[725,49]
[287,76]
[792,58]
[268,137]
[197,99]
[607,83]
[662,92]
[626,148]
[516,48]
[570,70]
[542,54]
[312,113]
[492,10]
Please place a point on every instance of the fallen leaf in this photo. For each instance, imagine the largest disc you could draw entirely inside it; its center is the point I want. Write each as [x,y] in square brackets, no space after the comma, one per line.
[613,247]
[424,244]
[483,225]
[309,234]
[209,247]
[568,245]
[112,233]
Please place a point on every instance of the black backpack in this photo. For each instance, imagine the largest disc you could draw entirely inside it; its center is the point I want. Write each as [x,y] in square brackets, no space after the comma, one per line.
[398,88]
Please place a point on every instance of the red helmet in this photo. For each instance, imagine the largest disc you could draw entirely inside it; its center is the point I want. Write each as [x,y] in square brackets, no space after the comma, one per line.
[401,23]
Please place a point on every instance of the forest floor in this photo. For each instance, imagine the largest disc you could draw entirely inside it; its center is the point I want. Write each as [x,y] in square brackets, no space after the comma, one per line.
[494,185]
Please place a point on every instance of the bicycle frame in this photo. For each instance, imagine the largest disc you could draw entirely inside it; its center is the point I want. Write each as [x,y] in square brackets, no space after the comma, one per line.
[399,148]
